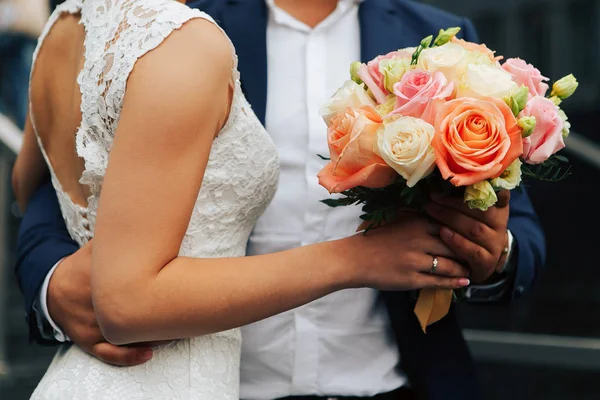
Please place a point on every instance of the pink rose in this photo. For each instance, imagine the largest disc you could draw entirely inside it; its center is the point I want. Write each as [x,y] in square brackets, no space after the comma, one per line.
[528,75]
[416,92]
[372,76]
[352,137]
[547,137]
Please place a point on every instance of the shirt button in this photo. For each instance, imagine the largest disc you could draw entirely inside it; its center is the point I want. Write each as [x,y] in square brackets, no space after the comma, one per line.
[520,289]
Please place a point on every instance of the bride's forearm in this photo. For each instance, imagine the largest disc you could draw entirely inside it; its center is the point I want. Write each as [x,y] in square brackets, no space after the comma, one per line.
[191,297]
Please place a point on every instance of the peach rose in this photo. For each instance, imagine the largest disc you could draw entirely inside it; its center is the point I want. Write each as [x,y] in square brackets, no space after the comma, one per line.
[417,90]
[475,139]
[547,137]
[528,75]
[352,137]
[481,48]
[351,95]
[374,78]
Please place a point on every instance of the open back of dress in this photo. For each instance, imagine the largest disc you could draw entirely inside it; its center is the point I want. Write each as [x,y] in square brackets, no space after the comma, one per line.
[81,66]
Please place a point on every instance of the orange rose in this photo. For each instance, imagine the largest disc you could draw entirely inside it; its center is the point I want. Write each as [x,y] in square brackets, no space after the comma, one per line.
[482,48]
[352,136]
[475,140]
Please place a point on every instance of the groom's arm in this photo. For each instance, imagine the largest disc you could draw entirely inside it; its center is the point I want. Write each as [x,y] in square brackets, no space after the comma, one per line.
[529,252]
[43,240]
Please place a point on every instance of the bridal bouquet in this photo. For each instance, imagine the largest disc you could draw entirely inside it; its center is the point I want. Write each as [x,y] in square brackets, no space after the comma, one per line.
[445,114]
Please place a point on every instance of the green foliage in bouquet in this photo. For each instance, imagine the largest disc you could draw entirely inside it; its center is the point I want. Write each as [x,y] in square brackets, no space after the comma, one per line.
[443,37]
[381,205]
[554,169]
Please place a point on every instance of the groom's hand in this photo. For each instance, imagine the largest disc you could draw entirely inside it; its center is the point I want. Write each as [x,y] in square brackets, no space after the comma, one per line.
[70,306]
[477,237]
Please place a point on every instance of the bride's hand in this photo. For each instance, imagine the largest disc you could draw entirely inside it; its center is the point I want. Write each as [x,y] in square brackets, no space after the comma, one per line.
[400,256]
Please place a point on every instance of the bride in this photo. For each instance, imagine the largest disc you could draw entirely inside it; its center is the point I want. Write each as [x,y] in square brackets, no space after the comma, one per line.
[138,116]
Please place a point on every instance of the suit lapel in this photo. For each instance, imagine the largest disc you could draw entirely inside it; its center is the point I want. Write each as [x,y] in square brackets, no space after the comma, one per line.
[384,28]
[245,21]
[380,29]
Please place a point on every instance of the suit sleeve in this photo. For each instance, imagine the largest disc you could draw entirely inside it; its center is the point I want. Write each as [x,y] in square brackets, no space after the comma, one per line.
[42,241]
[530,241]
[523,221]
[468,31]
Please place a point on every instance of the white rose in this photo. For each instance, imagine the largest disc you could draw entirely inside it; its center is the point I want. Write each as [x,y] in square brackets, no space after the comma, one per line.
[405,145]
[482,80]
[480,195]
[477,57]
[510,178]
[350,95]
[450,59]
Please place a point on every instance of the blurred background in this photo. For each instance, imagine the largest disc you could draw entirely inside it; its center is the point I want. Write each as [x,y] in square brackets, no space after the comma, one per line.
[545,346]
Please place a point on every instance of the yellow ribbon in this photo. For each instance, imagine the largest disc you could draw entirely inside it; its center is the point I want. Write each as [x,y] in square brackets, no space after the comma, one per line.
[432,305]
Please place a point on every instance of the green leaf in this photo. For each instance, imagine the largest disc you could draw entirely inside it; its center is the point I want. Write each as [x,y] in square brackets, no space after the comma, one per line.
[425,43]
[367,217]
[370,227]
[554,169]
[323,157]
[344,201]
[560,158]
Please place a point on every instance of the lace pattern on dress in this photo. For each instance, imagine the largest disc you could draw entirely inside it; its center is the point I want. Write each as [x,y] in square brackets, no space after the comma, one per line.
[240,180]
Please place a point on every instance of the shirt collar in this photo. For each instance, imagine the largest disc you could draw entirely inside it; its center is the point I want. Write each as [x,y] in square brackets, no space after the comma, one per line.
[271,3]
[282,17]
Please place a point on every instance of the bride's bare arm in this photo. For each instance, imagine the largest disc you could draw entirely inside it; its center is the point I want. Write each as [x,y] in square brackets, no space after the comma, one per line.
[177,101]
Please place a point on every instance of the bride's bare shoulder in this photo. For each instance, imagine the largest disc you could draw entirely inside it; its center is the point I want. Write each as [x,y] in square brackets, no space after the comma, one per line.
[187,77]
[197,52]
[199,41]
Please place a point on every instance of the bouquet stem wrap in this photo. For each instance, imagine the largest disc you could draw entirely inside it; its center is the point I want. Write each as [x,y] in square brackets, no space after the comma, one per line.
[432,305]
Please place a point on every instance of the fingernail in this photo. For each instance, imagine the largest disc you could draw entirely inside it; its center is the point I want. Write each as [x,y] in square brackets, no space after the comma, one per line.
[446,233]
[147,355]
[464,282]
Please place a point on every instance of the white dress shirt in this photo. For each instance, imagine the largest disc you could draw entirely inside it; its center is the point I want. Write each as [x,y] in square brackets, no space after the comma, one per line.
[341,344]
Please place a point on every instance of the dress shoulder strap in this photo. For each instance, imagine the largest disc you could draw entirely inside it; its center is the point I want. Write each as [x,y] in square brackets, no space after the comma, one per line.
[119,33]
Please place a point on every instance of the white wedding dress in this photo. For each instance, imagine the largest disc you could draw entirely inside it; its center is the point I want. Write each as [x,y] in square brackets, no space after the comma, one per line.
[240,180]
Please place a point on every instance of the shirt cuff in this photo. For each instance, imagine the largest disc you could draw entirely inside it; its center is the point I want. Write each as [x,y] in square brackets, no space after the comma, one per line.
[501,283]
[43,302]
[509,262]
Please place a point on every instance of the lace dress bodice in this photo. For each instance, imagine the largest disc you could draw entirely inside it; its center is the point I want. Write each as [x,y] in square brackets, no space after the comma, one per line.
[239,181]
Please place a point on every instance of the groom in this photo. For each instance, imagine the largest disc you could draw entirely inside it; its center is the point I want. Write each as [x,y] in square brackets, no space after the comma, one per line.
[357,343]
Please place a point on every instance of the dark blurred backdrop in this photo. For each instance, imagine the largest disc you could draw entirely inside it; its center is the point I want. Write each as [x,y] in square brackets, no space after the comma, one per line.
[545,346]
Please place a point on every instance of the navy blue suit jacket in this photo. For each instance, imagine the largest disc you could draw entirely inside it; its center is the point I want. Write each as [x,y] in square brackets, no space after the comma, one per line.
[438,364]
